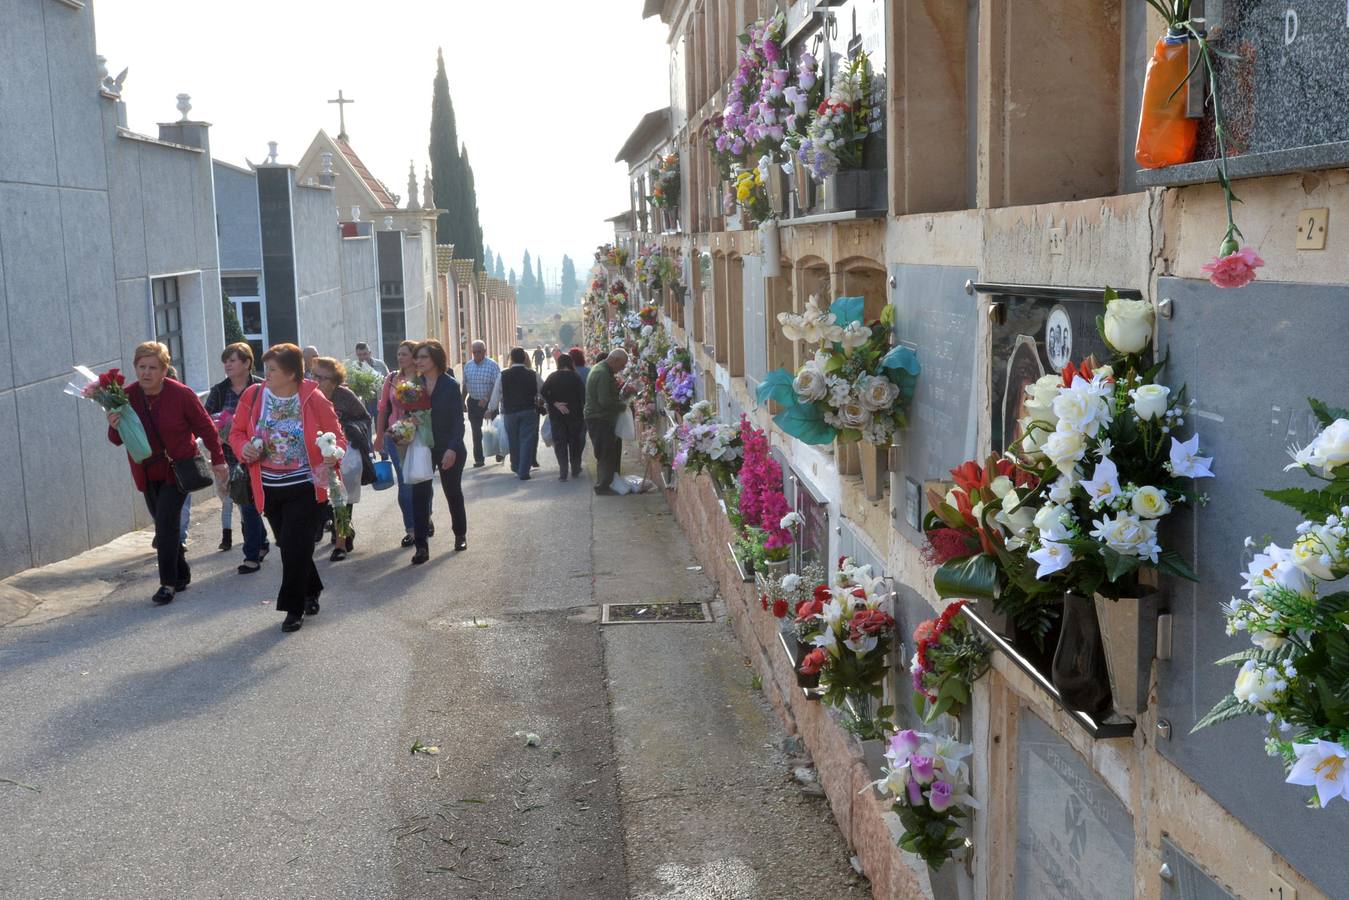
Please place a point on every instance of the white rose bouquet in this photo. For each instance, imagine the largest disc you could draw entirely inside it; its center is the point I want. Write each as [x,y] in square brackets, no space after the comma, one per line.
[1102,444]
[855,387]
[1296,674]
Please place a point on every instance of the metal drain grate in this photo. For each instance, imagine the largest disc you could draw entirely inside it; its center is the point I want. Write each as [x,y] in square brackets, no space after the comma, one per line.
[660,612]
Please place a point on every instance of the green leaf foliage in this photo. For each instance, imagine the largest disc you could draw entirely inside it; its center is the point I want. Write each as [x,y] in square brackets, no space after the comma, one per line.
[1229,707]
[777,386]
[1326,414]
[972,577]
[805,422]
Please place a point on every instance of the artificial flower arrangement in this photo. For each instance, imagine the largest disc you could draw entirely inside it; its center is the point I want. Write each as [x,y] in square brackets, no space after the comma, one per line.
[610,255]
[1097,469]
[1167,137]
[764,514]
[617,296]
[365,382]
[752,123]
[856,387]
[803,97]
[674,379]
[837,134]
[851,634]
[1297,673]
[223,422]
[403,430]
[332,453]
[665,182]
[108,390]
[752,195]
[977,556]
[948,658]
[412,396]
[701,443]
[782,593]
[927,785]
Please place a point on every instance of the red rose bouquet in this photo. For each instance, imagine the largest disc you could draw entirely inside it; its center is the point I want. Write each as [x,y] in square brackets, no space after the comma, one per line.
[109,391]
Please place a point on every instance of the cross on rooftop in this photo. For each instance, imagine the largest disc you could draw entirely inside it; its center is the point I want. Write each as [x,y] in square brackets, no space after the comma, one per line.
[341,114]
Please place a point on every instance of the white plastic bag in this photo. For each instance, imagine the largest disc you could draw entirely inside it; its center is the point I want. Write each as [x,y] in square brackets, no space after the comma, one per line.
[489,441]
[546,431]
[631,484]
[351,474]
[418,466]
[624,430]
[503,439]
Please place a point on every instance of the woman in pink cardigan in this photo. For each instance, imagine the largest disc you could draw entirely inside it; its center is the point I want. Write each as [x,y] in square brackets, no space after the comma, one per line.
[275,432]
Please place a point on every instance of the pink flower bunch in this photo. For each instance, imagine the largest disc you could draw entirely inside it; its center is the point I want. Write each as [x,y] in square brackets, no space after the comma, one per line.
[762,503]
[754,122]
[1234,270]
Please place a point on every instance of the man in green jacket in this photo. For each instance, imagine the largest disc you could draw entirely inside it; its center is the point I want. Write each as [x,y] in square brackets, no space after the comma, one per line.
[603,407]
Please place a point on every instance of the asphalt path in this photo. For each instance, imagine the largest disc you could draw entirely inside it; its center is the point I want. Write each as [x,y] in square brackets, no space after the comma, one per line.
[195,750]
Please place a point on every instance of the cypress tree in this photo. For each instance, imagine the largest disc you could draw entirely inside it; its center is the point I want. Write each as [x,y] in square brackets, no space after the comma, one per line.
[569,286]
[234,332]
[511,280]
[526,294]
[500,268]
[446,166]
[539,283]
[472,228]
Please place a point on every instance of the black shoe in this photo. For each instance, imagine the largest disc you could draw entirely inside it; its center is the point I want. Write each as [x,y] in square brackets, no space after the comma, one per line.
[162,596]
[337,555]
[479,464]
[421,556]
[311,606]
[562,477]
[351,541]
[182,585]
[226,539]
[408,540]
[248,567]
[526,477]
[293,622]
[604,491]
[461,543]
[534,465]
[576,472]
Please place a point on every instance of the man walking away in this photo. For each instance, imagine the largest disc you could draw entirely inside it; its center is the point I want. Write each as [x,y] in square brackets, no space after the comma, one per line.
[538,358]
[603,407]
[518,393]
[480,384]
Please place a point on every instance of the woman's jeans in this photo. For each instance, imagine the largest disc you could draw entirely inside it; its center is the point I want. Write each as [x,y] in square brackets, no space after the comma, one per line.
[451,482]
[404,489]
[522,431]
[255,532]
[165,503]
[293,512]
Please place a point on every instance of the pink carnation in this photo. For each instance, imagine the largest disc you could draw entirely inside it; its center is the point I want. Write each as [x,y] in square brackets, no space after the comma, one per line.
[1234,270]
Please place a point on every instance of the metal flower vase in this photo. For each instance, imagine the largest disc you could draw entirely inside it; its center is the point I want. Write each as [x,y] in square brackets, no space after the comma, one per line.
[953,881]
[846,458]
[1129,634]
[803,187]
[1079,667]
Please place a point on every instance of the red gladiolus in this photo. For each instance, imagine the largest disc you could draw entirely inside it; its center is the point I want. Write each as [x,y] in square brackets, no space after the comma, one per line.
[968,475]
[814,661]
[1071,371]
[780,608]
[809,609]
[966,509]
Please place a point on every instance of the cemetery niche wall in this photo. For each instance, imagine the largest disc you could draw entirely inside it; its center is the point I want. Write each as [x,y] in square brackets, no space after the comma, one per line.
[1250,358]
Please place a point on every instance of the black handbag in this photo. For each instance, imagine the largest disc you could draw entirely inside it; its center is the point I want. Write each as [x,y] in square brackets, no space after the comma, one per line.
[241,485]
[190,474]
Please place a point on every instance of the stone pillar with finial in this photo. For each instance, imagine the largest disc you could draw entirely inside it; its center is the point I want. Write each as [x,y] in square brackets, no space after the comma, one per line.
[412,186]
[184,106]
[271,153]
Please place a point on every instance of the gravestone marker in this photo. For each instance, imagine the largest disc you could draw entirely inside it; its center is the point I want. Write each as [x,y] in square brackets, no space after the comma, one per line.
[1282,97]
[939,321]
[1249,358]
[1074,838]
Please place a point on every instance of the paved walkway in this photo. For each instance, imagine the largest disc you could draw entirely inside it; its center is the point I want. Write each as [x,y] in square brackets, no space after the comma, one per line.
[196,751]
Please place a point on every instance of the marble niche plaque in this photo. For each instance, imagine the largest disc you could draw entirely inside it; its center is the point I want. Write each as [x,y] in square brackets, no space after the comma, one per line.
[1074,839]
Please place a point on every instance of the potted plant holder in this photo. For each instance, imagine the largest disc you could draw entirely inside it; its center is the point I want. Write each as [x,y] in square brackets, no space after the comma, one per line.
[953,880]
[847,458]
[803,188]
[778,189]
[1128,629]
[850,189]
[796,651]
[874,461]
[1079,670]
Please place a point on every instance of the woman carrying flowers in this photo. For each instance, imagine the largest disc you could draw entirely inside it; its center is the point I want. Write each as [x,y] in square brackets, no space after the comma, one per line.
[275,433]
[330,375]
[174,418]
[391,411]
[445,420]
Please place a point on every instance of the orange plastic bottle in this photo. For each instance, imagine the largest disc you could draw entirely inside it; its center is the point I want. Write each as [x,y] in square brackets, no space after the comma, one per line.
[1166,136]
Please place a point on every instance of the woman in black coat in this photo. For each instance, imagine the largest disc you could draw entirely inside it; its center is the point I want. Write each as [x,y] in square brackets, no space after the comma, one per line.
[565,395]
[447,454]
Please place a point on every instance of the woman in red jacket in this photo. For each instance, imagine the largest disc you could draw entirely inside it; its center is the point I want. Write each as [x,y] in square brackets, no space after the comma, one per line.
[174,418]
[274,434]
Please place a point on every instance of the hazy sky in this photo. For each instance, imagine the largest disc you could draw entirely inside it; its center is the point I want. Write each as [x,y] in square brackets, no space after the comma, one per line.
[544,91]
